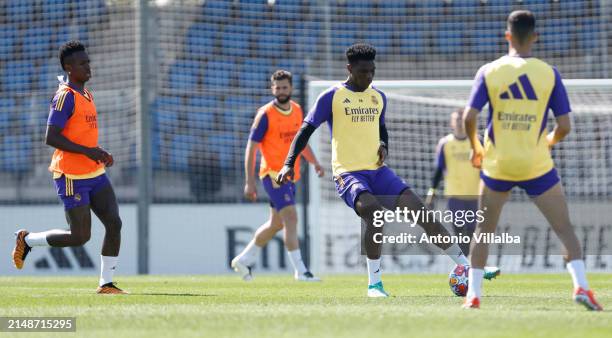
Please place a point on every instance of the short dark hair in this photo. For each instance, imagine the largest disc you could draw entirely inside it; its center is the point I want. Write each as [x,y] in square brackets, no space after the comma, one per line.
[68,49]
[521,23]
[360,51]
[282,74]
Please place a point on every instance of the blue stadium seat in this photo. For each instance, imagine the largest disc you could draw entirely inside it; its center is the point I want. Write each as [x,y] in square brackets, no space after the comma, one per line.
[541,8]
[238,111]
[343,35]
[217,10]
[47,76]
[17,154]
[201,111]
[219,73]
[394,9]
[8,40]
[412,39]
[17,76]
[499,8]
[90,11]
[575,9]
[255,73]
[487,36]
[225,144]
[465,7]
[67,33]
[7,109]
[20,11]
[380,35]
[36,42]
[184,75]
[305,38]
[156,158]
[430,11]
[252,9]
[165,113]
[270,43]
[360,8]
[55,11]
[554,36]
[449,38]
[288,10]
[181,146]
[589,35]
[235,40]
[201,39]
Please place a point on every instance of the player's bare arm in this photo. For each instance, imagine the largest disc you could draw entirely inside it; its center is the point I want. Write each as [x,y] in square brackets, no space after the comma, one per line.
[562,129]
[250,189]
[470,120]
[309,155]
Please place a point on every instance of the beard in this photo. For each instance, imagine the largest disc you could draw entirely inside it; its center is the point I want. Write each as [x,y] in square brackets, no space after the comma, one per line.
[283,99]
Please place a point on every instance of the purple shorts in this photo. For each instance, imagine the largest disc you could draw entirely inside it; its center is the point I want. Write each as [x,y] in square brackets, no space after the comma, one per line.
[75,193]
[533,187]
[382,182]
[281,196]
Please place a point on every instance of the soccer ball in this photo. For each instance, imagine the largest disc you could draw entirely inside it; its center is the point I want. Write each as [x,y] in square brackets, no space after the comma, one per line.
[458,280]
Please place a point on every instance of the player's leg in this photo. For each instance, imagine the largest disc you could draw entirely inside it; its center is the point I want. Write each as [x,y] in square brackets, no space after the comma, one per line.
[366,205]
[75,197]
[104,205]
[491,203]
[553,206]
[463,227]
[387,184]
[409,200]
[289,216]
[246,259]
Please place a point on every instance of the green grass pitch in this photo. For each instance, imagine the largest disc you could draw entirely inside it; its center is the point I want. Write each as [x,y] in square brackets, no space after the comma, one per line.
[527,305]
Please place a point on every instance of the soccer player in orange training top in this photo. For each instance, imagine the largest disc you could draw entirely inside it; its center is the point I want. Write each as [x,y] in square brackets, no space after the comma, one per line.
[520,89]
[78,171]
[273,129]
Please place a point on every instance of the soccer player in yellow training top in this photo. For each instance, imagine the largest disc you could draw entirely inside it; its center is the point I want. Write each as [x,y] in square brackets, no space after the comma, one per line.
[78,170]
[520,90]
[355,112]
[461,179]
[273,129]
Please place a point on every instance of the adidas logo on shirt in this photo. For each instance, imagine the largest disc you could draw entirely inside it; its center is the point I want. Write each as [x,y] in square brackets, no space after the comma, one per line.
[514,90]
[346,101]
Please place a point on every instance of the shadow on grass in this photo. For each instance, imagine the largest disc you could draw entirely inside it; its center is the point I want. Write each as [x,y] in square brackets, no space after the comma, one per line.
[173,294]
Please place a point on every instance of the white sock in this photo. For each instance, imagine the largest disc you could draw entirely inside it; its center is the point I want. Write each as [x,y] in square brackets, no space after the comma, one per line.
[250,252]
[455,253]
[107,269]
[475,283]
[38,238]
[374,273]
[295,257]
[578,272]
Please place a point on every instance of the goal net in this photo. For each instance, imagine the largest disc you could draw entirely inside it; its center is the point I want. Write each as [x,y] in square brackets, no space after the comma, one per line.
[418,115]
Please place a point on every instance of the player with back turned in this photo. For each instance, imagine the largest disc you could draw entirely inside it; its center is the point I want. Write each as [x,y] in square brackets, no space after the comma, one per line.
[78,171]
[520,89]
[355,112]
